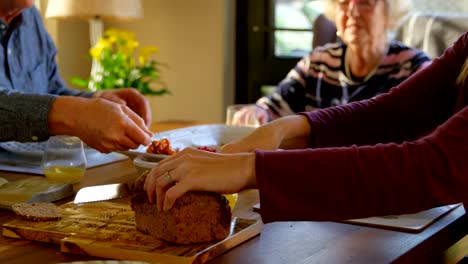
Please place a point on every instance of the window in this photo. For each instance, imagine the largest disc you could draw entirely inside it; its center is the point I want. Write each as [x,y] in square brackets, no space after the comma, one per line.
[272,35]
[293,22]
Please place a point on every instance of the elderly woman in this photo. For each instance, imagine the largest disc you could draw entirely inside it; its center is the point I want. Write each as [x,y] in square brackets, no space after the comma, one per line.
[364,65]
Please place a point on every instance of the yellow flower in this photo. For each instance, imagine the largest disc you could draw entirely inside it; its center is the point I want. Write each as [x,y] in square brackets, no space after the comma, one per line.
[128,47]
[145,53]
[116,54]
[97,50]
[112,39]
[122,34]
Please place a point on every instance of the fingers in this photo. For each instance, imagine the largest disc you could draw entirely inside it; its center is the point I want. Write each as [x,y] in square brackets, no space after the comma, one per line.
[120,101]
[167,175]
[150,185]
[151,182]
[137,130]
[138,121]
[163,183]
[127,143]
[262,115]
[247,116]
[108,126]
[132,98]
[193,169]
[172,194]
[142,107]
[139,104]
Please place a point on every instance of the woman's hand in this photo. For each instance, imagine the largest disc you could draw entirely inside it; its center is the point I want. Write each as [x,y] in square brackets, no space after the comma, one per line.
[251,115]
[264,138]
[131,98]
[101,124]
[283,132]
[193,169]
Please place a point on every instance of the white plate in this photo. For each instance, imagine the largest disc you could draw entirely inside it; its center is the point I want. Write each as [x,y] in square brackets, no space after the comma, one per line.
[213,136]
[143,164]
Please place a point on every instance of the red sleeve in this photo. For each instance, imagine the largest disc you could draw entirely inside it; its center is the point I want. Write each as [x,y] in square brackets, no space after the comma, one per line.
[425,166]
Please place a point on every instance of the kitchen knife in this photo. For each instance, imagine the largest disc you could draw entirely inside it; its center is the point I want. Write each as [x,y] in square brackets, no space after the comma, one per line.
[103,192]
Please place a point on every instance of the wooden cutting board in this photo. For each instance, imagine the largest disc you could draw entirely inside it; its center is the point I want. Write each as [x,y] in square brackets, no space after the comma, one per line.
[106,229]
[32,189]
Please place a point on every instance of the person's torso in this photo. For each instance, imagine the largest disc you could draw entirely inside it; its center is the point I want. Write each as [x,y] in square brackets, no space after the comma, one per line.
[329,83]
[23,55]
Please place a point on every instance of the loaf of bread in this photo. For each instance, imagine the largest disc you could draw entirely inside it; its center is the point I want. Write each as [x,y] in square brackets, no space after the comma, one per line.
[195,217]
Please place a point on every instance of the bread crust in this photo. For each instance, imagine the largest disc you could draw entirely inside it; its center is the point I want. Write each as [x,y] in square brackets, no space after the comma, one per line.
[195,217]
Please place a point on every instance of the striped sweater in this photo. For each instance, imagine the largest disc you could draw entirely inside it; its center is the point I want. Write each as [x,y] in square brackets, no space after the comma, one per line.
[321,79]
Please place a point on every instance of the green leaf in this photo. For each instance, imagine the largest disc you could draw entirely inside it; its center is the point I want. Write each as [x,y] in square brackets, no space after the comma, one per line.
[79,82]
[121,69]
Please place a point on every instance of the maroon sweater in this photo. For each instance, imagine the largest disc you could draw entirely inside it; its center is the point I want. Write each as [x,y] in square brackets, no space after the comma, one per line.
[401,152]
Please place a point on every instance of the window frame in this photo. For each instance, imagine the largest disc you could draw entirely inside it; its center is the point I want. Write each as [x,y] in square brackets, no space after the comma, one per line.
[256,63]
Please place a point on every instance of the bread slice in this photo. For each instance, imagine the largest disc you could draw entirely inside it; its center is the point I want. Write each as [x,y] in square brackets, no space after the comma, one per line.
[39,211]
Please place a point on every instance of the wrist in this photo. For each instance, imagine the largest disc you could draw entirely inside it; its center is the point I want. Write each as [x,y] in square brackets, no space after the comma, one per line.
[251,181]
[62,114]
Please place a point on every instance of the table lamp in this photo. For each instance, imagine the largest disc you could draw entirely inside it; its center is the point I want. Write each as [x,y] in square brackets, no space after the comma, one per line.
[95,11]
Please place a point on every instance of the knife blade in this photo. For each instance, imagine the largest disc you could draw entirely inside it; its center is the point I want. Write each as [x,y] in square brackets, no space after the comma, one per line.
[103,192]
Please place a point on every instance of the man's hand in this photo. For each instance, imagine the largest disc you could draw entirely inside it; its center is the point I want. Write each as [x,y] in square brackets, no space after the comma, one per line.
[131,98]
[101,124]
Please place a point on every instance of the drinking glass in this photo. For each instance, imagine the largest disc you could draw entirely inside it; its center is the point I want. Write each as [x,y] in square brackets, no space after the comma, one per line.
[64,159]
[242,115]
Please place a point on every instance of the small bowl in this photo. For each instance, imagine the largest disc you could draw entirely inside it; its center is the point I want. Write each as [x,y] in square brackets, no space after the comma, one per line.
[143,163]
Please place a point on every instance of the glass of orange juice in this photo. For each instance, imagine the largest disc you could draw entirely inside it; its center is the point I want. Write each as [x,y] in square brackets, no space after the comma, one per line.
[64,159]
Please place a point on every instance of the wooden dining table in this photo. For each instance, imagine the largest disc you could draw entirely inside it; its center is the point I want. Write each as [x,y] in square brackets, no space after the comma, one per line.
[280,242]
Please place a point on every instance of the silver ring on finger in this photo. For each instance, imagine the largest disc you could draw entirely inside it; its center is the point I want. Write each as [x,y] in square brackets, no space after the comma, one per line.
[167,178]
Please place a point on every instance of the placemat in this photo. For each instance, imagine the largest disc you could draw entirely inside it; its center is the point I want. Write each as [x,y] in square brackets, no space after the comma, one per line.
[15,162]
[406,222]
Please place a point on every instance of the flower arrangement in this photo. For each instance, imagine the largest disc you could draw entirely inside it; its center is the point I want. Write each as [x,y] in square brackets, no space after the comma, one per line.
[119,68]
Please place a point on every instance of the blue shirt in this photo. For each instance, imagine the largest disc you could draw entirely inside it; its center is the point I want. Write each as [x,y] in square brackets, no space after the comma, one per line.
[29,78]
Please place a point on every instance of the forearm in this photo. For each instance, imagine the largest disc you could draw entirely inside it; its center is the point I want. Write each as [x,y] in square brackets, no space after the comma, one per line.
[355,182]
[292,131]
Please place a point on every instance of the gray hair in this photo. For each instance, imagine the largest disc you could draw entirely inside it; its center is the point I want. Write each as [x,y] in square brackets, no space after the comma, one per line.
[396,10]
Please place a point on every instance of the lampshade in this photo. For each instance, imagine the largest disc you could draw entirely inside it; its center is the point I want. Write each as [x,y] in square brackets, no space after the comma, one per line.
[105,9]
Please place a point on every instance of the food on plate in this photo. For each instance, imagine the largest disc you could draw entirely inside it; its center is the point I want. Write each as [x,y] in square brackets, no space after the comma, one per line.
[195,217]
[39,211]
[162,146]
[207,149]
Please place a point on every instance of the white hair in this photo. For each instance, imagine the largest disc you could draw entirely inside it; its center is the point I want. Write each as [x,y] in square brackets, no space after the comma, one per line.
[395,10]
